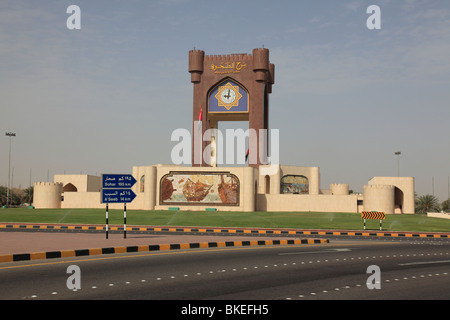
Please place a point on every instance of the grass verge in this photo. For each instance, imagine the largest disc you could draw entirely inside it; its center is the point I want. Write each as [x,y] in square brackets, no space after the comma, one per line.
[303,220]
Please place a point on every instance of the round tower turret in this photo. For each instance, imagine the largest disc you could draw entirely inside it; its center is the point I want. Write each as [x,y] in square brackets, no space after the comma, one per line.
[47,195]
[260,63]
[196,58]
[379,198]
[339,189]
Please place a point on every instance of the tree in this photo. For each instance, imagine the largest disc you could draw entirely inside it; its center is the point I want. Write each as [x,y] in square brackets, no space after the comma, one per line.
[427,203]
[3,193]
[28,198]
[445,206]
[17,196]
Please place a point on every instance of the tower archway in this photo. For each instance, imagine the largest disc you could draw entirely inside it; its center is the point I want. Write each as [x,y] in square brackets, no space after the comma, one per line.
[227,120]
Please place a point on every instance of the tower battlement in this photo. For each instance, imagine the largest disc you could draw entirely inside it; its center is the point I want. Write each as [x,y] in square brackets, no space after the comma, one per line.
[48,184]
[47,195]
[379,186]
[229,57]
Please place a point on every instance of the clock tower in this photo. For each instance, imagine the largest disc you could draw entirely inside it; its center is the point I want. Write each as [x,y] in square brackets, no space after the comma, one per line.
[232,87]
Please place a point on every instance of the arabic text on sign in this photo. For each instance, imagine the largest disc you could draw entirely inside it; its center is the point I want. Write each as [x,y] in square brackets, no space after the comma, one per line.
[228,67]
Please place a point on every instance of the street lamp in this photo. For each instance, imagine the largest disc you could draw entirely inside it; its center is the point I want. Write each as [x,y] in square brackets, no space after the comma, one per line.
[9,134]
[398,153]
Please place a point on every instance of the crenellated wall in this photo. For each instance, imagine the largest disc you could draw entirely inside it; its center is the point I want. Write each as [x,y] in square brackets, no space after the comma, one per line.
[258,189]
[47,195]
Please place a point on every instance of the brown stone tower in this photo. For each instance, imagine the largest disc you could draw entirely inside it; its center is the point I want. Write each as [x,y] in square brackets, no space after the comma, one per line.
[232,87]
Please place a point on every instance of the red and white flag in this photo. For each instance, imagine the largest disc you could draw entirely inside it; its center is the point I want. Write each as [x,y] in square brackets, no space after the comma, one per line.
[200,117]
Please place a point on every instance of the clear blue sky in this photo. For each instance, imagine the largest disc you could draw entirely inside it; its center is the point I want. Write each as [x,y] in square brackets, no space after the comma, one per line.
[108,96]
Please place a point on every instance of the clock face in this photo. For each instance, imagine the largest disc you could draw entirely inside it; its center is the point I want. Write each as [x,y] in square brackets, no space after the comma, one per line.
[228,95]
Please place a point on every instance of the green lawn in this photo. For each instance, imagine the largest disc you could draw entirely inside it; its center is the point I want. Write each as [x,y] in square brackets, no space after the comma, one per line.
[304,220]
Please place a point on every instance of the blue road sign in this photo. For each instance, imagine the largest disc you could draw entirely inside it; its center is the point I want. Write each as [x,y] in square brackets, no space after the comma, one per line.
[118,181]
[117,195]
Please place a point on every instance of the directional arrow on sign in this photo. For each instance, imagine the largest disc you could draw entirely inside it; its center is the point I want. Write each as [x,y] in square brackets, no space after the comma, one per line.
[117,195]
[118,181]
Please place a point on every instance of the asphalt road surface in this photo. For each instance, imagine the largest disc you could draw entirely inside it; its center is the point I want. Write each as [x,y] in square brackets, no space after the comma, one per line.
[407,269]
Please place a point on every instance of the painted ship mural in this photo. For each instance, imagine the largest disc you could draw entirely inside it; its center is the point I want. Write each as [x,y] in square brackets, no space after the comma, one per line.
[228,190]
[195,191]
[208,188]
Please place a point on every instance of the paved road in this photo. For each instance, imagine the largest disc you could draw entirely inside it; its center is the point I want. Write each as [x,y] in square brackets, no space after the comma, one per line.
[409,269]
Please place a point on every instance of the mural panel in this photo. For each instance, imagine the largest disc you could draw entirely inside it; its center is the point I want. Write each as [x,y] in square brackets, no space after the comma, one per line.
[199,188]
[294,184]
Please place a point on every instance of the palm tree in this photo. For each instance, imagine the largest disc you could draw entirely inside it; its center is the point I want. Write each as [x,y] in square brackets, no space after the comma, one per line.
[446,206]
[28,197]
[427,203]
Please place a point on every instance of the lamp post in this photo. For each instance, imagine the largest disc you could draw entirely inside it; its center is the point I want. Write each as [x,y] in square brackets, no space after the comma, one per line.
[398,153]
[9,134]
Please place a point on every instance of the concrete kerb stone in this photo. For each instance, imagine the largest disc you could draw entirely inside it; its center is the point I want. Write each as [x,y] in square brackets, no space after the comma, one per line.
[216,230]
[155,247]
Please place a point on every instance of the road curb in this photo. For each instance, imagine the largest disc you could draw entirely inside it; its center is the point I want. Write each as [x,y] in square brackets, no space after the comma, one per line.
[234,231]
[155,247]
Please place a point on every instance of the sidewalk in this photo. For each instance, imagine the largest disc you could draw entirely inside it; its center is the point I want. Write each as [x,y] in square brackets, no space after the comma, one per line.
[25,242]
[37,242]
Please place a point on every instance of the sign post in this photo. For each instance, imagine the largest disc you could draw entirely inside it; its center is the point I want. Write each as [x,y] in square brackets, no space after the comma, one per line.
[116,189]
[107,221]
[125,220]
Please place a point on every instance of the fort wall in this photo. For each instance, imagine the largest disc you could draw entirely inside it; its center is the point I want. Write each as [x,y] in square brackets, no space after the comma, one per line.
[47,195]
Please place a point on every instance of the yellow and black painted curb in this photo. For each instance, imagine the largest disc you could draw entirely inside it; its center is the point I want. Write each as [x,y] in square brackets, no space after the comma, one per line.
[216,230]
[155,247]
